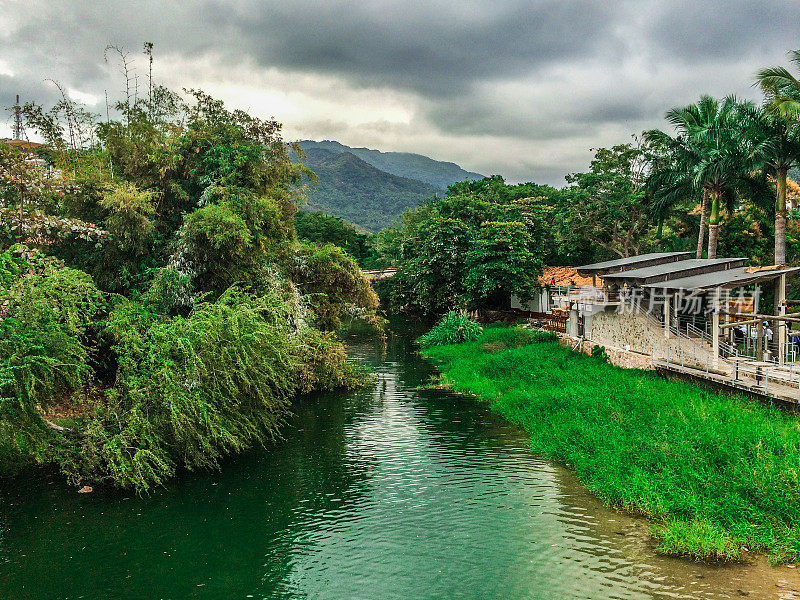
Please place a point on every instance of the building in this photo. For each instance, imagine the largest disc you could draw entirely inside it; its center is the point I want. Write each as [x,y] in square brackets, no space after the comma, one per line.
[669,304]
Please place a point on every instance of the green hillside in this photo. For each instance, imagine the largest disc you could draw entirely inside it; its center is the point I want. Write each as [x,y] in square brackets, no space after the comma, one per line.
[437,173]
[358,192]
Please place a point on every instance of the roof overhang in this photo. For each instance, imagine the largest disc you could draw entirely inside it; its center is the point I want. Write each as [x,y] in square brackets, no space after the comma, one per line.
[631,262]
[730,278]
[674,270]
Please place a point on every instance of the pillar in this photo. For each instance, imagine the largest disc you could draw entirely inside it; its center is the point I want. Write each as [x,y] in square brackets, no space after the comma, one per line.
[760,341]
[780,310]
[756,298]
[666,314]
[573,320]
[715,328]
[676,300]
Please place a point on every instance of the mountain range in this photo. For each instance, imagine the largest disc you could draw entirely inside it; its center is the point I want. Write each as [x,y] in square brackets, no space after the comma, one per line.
[371,188]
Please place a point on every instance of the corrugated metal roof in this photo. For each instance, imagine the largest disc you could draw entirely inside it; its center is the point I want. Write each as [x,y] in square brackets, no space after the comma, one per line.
[683,268]
[731,278]
[631,262]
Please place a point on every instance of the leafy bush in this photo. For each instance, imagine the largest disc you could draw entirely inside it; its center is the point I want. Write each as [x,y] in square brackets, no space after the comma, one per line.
[599,354]
[129,217]
[453,328]
[189,390]
[333,284]
[45,347]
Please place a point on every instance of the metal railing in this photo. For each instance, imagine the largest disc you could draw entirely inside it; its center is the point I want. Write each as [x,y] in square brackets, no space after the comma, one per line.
[764,378]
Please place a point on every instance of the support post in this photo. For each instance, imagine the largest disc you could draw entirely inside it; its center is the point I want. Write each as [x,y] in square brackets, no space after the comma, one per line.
[756,298]
[666,314]
[676,305]
[715,328]
[573,319]
[760,341]
[780,310]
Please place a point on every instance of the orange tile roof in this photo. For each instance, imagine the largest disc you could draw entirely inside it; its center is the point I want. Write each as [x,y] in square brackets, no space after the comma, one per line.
[564,276]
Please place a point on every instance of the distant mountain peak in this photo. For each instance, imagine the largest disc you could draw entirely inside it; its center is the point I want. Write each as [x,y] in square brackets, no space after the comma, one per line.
[437,173]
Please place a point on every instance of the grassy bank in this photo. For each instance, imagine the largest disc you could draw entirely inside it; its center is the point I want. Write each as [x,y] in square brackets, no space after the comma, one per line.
[717,475]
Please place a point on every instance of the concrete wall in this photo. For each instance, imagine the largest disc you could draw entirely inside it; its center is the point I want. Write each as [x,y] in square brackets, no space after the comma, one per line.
[637,333]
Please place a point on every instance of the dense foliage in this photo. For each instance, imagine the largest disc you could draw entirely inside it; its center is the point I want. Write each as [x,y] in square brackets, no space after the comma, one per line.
[453,328]
[470,249]
[717,474]
[321,228]
[156,308]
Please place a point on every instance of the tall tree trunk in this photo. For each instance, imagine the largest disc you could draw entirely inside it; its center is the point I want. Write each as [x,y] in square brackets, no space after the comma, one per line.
[713,226]
[780,218]
[703,222]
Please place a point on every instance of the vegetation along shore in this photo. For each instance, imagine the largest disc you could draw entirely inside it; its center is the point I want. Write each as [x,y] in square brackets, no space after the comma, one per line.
[157,310]
[717,475]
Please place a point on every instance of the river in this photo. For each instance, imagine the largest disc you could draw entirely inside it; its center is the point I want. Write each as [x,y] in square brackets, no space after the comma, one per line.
[389,493]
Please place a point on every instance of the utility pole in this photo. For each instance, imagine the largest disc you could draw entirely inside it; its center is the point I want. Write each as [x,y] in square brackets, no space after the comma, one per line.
[17,120]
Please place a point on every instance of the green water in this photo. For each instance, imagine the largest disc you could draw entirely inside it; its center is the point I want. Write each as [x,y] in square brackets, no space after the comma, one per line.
[390,493]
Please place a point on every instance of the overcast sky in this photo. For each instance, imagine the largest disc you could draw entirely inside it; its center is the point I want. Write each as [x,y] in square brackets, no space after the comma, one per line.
[523,89]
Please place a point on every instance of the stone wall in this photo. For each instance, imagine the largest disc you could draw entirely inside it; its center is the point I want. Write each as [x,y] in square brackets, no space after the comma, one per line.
[633,331]
[625,330]
[620,357]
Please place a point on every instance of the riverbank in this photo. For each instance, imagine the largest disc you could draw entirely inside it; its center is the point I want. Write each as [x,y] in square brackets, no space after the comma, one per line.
[717,475]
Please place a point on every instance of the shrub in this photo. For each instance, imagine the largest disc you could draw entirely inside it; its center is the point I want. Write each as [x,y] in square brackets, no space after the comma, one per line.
[333,284]
[45,350]
[189,390]
[453,328]
[129,218]
[599,353]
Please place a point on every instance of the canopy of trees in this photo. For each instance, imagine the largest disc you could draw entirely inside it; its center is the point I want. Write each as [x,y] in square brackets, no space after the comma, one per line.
[479,243]
[156,307]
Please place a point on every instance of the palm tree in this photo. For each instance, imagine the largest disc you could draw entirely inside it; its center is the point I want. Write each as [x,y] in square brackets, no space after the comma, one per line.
[670,181]
[778,128]
[776,145]
[712,159]
[782,88]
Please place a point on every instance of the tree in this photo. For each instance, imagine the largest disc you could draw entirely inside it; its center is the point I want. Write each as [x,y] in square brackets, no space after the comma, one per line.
[777,146]
[321,228]
[671,183]
[607,205]
[778,130]
[466,250]
[716,158]
[782,88]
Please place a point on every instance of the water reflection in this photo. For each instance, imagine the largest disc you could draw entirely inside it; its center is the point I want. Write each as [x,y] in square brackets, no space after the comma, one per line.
[387,493]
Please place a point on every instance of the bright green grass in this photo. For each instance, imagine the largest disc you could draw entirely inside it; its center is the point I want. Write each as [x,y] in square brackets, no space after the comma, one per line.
[717,474]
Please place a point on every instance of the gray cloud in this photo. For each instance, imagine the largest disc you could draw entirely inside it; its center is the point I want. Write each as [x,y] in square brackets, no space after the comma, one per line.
[522,88]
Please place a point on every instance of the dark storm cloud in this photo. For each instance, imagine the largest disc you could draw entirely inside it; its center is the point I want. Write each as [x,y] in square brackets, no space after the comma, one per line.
[431,47]
[723,31]
[534,73]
